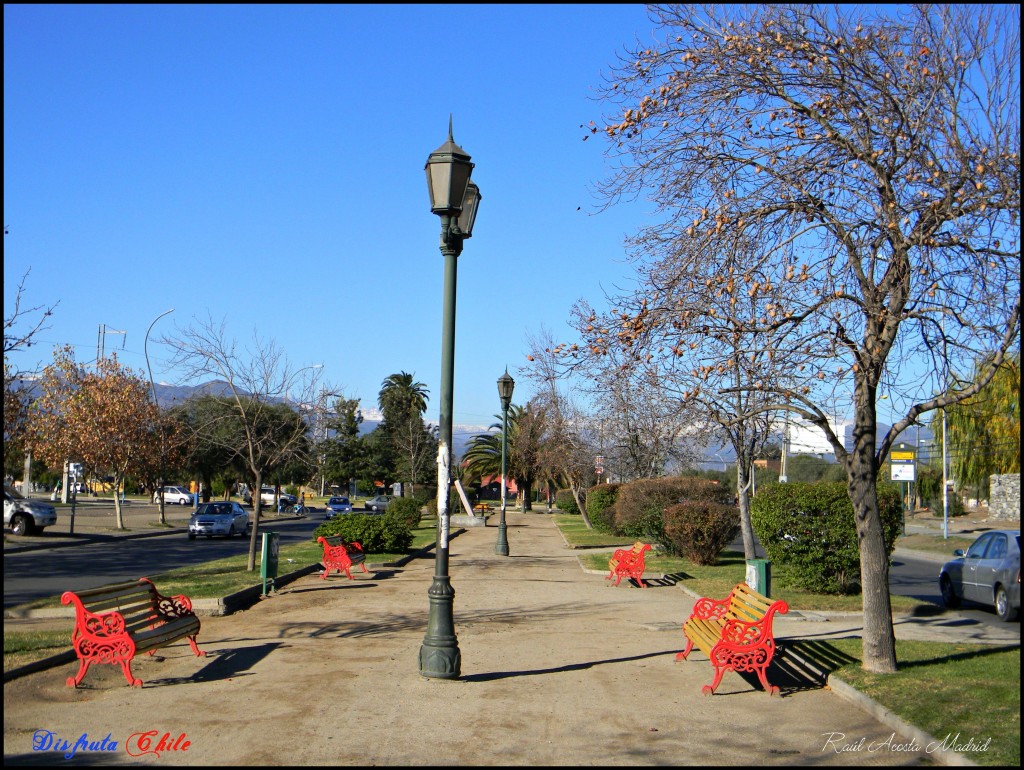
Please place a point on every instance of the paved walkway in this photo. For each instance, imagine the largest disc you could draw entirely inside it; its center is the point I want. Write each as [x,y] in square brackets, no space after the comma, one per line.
[558,668]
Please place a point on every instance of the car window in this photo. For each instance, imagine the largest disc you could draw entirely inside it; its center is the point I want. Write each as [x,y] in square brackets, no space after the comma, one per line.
[977,549]
[997,550]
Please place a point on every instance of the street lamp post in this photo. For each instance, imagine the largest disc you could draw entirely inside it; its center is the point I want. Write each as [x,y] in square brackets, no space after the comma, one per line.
[454,198]
[145,350]
[505,386]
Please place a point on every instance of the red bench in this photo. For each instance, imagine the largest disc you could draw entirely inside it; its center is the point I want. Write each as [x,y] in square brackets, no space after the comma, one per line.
[115,623]
[629,564]
[735,633]
[341,555]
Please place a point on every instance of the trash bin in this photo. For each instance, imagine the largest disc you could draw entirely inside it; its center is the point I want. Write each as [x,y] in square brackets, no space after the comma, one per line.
[759,576]
[268,560]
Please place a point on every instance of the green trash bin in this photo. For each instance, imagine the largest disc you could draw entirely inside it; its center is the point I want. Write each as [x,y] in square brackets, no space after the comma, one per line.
[268,560]
[759,576]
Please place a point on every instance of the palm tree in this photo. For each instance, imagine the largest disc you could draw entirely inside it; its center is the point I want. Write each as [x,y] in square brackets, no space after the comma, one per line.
[403,401]
[483,454]
[400,394]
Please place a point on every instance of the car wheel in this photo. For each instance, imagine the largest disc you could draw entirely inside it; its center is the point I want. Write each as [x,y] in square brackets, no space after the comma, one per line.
[231,532]
[374,509]
[1003,609]
[181,501]
[20,525]
[191,536]
[949,597]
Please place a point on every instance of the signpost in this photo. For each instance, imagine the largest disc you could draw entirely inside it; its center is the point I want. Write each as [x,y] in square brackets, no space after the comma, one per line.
[903,466]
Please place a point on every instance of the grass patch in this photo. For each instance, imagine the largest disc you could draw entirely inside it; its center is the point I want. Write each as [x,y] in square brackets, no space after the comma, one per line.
[577,534]
[946,689]
[25,647]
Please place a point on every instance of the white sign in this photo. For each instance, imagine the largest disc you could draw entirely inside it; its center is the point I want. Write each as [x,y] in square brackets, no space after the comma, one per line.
[902,472]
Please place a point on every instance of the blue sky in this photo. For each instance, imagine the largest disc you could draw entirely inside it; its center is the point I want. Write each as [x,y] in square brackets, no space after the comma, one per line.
[263,165]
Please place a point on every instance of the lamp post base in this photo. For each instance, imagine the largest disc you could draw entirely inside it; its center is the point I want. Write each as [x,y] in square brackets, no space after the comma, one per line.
[439,654]
[501,547]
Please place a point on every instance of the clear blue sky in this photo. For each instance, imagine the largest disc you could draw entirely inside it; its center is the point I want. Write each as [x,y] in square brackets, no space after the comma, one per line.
[264,165]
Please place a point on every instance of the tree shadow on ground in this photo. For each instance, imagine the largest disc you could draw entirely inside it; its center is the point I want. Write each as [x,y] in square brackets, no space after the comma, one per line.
[496,675]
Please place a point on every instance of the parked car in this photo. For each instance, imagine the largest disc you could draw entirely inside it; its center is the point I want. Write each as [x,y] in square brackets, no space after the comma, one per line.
[338,505]
[175,495]
[270,498]
[220,518]
[378,503]
[25,516]
[989,573]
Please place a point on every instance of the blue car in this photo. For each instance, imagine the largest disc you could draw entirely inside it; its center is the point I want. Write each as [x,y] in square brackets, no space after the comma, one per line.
[338,505]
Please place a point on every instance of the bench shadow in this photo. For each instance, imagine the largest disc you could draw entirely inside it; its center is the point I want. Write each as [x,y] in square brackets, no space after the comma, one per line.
[224,664]
[798,665]
[802,664]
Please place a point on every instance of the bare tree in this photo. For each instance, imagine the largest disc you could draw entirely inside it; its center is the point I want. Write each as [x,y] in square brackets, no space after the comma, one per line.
[17,336]
[257,380]
[873,155]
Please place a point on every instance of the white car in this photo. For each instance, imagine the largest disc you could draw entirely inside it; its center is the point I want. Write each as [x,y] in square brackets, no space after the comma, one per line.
[24,516]
[220,518]
[175,495]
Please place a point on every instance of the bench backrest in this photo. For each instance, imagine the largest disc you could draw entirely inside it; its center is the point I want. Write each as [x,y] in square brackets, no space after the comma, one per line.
[136,601]
[749,606]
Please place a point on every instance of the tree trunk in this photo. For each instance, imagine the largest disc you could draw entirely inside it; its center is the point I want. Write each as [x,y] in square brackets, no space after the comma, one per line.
[879,638]
[743,496]
[575,489]
[118,513]
[257,507]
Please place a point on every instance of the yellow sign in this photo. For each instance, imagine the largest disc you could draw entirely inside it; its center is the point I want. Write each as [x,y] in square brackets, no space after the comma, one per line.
[902,455]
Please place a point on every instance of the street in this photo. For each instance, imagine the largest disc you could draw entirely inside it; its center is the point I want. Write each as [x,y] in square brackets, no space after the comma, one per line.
[51,571]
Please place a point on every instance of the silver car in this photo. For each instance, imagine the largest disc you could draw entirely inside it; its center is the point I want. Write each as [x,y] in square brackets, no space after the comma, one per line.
[989,573]
[221,518]
[378,503]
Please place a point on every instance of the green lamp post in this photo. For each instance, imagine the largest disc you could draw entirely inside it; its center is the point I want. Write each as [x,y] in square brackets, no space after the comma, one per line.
[455,199]
[505,387]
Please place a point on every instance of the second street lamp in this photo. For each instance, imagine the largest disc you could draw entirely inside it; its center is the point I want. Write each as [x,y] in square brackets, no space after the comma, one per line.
[455,199]
[505,387]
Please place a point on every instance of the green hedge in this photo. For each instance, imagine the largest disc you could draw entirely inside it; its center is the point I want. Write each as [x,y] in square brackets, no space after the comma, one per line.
[566,502]
[377,533]
[601,506]
[406,509]
[810,528]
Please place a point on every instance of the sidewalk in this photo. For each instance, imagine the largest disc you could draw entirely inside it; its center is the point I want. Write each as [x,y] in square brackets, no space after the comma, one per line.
[558,668]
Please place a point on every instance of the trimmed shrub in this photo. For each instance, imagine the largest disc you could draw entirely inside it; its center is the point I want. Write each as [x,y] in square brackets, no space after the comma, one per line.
[384,533]
[565,502]
[407,510]
[640,505]
[699,530]
[810,528]
[601,506]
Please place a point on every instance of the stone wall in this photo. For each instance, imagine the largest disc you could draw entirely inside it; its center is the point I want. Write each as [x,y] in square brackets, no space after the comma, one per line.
[1004,496]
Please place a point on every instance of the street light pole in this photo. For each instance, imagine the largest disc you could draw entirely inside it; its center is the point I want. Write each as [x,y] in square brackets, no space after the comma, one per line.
[454,199]
[145,350]
[505,387]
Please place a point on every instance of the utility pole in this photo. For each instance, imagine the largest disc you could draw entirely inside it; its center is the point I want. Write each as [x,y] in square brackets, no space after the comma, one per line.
[101,341]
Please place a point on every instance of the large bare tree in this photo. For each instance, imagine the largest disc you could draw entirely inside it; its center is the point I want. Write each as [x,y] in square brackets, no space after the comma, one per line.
[258,380]
[872,153]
